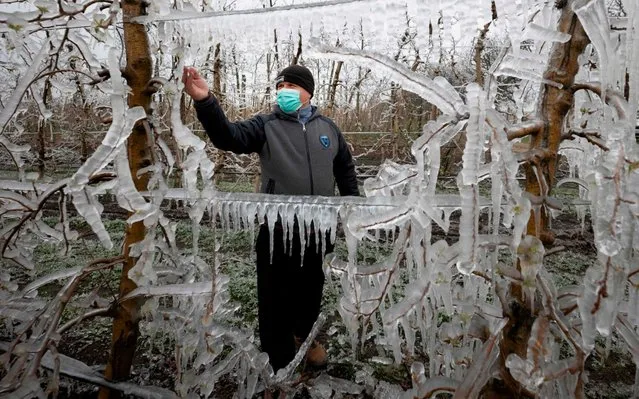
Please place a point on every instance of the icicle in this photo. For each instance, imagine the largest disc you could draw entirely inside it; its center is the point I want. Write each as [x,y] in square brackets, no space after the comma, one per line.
[586,306]
[632,54]
[531,256]
[593,16]
[128,196]
[609,304]
[184,138]
[467,181]
[633,304]
[474,134]
[90,209]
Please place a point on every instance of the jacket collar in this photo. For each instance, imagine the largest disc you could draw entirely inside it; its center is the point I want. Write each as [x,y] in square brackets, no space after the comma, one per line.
[283,115]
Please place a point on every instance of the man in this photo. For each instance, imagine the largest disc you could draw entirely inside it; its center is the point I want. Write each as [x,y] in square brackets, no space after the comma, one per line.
[301,153]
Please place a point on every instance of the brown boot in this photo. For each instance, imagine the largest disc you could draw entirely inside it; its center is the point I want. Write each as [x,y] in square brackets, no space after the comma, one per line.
[316,355]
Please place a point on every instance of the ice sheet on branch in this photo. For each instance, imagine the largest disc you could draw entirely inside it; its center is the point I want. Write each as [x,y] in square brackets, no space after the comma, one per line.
[632,54]
[130,198]
[467,181]
[438,25]
[13,102]
[593,15]
[123,120]
[608,295]
[426,149]
[540,33]
[526,66]
[76,369]
[439,92]
[327,19]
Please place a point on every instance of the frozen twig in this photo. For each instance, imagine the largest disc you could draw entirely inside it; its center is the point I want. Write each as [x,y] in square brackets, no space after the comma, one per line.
[524,129]
[613,97]
[593,137]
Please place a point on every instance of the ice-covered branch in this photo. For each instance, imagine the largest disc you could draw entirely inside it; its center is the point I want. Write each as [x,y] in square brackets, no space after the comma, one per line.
[30,215]
[438,91]
[559,318]
[38,333]
[189,289]
[93,79]
[593,137]
[627,332]
[524,129]
[468,180]
[44,13]
[612,97]
[25,81]
[77,370]
[285,374]
[481,369]
[266,12]
[120,129]
[88,315]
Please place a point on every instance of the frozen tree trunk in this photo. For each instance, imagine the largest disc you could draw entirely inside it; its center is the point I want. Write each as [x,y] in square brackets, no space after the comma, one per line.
[554,105]
[479,46]
[217,73]
[217,92]
[42,124]
[332,91]
[138,72]
[84,145]
[298,54]
[276,54]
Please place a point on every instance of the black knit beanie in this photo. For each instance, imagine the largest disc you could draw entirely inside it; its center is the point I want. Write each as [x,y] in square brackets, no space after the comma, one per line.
[298,75]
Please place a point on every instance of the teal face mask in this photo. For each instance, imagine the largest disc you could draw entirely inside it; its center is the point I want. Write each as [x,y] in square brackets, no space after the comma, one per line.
[289,100]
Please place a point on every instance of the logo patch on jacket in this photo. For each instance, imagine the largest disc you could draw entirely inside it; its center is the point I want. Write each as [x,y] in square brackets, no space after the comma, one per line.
[325,141]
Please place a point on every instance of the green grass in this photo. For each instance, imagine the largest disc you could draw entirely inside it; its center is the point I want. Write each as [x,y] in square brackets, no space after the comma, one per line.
[49,258]
[568,267]
[241,186]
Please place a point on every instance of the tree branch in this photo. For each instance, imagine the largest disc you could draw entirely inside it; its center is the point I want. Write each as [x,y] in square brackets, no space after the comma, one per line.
[88,315]
[524,129]
[534,156]
[613,98]
[593,137]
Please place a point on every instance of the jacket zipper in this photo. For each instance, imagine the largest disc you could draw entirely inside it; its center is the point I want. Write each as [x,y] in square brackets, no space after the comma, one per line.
[308,158]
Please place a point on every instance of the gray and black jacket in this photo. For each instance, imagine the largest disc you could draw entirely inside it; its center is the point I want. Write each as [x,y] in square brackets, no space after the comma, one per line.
[296,158]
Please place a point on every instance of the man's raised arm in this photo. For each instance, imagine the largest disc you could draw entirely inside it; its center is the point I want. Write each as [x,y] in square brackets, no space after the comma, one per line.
[240,137]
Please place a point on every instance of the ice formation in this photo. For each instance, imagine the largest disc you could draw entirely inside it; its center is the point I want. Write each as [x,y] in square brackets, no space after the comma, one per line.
[445,297]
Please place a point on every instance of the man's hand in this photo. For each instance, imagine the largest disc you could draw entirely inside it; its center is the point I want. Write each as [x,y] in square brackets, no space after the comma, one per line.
[194,85]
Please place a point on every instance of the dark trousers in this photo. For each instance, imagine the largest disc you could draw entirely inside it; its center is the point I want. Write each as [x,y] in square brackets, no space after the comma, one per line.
[289,292]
